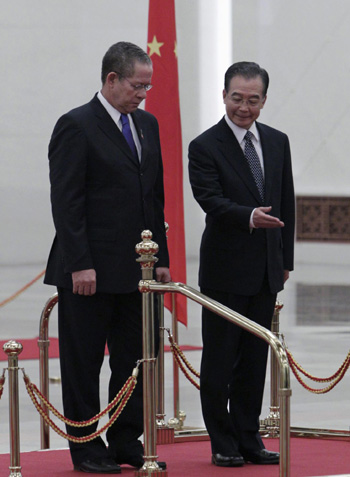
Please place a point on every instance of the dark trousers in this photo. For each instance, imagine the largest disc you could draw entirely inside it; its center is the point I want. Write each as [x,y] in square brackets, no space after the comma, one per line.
[233,370]
[86,324]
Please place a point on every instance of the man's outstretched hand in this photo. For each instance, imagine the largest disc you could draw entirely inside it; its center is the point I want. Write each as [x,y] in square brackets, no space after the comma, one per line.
[262,219]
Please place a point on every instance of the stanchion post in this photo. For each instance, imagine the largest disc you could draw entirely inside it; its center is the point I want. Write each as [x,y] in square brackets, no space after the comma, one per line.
[160,414]
[177,421]
[176,380]
[147,249]
[271,425]
[179,416]
[13,349]
[43,343]
[165,433]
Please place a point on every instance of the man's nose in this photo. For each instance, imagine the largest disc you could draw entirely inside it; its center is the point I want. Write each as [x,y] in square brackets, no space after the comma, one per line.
[142,93]
[244,105]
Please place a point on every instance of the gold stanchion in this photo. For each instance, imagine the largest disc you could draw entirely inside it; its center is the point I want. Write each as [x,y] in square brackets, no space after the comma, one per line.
[258,330]
[147,249]
[270,427]
[165,433]
[160,415]
[13,349]
[43,344]
[177,421]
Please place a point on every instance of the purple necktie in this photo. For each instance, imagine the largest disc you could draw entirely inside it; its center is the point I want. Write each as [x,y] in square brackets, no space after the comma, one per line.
[128,134]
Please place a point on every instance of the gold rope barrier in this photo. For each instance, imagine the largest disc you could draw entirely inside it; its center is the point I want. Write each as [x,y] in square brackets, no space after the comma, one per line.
[182,360]
[334,379]
[123,396]
[295,367]
[21,290]
[33,390]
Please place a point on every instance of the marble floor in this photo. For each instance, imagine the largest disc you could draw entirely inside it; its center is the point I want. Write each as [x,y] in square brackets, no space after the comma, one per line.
[315,321]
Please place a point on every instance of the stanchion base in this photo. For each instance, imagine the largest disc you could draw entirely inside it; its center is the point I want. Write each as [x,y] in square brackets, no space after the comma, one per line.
[270,434]
[191,434]
[165,435]
[320,433]
[270,427]
[15,472]
[148,472]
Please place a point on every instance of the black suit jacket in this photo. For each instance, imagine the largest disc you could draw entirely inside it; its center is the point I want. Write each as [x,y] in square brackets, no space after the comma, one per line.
[232,257]
[102,198]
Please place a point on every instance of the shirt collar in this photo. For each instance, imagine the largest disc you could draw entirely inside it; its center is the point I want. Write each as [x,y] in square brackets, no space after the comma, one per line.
[241,132]
[114,113]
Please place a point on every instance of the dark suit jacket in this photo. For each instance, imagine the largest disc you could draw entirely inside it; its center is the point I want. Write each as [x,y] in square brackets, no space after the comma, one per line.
[232,258]
[102,198]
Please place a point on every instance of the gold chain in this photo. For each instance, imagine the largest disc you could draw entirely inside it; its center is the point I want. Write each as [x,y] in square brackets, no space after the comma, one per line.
[123,396]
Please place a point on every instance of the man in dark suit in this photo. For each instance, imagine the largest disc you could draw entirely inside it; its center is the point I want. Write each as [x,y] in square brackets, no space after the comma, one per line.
[106,179]
[244,185]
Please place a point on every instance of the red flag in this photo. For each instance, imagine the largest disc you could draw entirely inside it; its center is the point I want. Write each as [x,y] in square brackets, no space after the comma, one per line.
[163,102]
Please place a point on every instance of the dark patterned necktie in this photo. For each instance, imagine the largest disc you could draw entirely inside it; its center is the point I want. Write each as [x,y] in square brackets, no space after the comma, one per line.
[128,134]
[254,163]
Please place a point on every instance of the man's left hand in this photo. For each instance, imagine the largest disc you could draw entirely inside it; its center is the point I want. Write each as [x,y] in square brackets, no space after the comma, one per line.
[163,275]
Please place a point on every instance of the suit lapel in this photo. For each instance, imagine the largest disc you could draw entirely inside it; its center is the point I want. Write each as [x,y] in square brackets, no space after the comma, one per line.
[233,154]
[141,136]
[108,126]
[269,159]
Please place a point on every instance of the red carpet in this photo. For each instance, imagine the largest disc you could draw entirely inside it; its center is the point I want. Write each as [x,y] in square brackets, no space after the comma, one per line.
[31,350]
[309,458]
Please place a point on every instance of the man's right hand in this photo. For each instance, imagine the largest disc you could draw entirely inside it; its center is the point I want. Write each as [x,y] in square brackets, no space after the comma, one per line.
[84,282]
[262,219]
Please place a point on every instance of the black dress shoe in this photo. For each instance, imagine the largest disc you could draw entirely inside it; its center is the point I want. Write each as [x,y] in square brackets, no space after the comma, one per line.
[137,461]
[227,461]
[105,466]
[262,456]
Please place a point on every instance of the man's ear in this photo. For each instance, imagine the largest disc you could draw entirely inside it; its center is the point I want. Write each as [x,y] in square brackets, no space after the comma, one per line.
[111,77]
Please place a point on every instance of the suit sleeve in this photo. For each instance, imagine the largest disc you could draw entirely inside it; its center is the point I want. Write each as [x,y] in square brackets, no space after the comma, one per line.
[210,187]
[68,162]
[288,210]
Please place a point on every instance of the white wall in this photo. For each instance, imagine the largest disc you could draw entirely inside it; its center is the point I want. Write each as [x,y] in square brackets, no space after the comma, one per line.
[51,53]
[304,46]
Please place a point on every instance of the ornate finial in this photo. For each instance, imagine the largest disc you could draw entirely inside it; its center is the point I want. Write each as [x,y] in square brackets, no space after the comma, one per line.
[147,249]
[12,348]
[146,235]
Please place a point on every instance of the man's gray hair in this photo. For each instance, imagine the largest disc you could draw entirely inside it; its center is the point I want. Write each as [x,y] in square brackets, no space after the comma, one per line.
[121,57]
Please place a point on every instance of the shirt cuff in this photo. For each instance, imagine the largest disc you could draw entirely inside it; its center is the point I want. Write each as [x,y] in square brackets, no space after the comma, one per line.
[251,222]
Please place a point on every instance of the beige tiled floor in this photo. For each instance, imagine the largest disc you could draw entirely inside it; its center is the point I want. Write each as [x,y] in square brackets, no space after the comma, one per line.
[315,321]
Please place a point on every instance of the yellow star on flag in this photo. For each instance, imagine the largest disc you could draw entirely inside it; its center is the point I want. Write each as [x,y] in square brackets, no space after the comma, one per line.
[154,47]
[175,50]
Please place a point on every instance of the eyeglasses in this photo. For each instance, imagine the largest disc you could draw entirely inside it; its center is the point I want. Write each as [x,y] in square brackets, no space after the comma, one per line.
[251,103]
[137,87]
